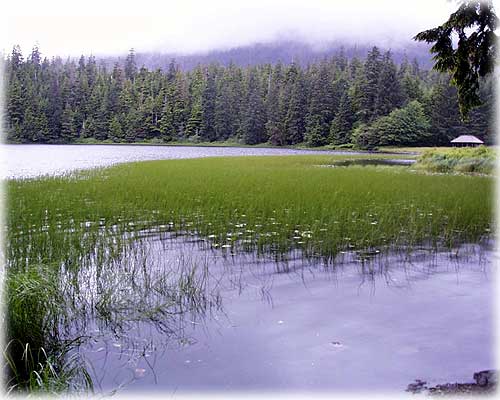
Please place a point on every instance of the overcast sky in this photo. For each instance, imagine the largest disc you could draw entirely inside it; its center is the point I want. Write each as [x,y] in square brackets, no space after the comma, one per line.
[108,27]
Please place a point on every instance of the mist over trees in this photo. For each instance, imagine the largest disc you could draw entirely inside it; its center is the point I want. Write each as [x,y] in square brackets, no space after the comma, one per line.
[335,101]
[284,51]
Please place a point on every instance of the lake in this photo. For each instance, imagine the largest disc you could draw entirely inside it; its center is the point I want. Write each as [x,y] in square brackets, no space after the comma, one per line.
[26,161]
[162,308]
[304,326]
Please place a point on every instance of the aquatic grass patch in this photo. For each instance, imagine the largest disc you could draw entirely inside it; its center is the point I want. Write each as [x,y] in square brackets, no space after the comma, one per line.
[53,309]
[44,373]
[479,160]
[35,358]
[267,204]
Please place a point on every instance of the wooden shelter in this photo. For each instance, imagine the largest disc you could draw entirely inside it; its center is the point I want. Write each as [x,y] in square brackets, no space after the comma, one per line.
[466,140]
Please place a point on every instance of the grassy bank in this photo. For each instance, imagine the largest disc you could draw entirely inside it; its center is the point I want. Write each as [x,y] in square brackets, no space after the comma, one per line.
[71,241]
[479,160]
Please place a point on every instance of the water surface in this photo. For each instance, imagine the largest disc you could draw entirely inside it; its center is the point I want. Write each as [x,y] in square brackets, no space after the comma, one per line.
[301,326]
[20,161]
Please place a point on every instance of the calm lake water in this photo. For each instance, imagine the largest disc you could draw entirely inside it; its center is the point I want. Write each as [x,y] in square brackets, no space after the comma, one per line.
[301,326]
[18,161]
[266,326]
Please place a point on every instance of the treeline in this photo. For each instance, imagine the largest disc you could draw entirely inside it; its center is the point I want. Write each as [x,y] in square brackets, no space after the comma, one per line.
[363,103]
[285,51]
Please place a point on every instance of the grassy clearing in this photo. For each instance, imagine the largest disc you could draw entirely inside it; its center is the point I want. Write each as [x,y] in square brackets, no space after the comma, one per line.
[72,253]
[479,160]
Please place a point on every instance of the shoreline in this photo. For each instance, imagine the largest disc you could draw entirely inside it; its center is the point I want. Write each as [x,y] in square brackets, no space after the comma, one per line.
[228,145]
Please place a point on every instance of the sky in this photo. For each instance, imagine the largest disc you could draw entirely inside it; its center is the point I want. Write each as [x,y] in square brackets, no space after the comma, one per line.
[99,27]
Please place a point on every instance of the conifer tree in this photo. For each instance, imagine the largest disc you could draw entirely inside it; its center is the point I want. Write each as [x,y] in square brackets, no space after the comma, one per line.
[208,100]
[389,94]
[194,123]
[115,130]
[274,107]
[474,24]
[130,66]
[295,108]
[342,124]
[320,109]
[68,126]
[254,119]
[369,86]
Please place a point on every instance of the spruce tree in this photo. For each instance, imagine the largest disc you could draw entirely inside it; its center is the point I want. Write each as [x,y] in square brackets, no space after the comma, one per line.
[254,119]
[295,108]
[15,108]
[342,124]
[274,107]
[130,68]
[320,109]
[389,93]
[369,86]
[68,126]
[116,133]
[194,123]
[470,58]
[208,100]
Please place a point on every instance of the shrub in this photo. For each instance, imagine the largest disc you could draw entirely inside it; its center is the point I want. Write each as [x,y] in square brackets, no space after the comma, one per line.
[407,126]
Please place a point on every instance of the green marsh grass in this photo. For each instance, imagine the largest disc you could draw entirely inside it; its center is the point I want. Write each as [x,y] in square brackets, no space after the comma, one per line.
[77,236]
[479,160]
[263,204]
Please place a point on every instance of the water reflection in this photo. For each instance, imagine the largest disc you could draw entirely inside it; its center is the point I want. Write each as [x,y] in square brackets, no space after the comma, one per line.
[257,324]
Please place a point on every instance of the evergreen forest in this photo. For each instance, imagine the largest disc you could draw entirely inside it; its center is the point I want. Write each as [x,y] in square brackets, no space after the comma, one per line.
[341,102]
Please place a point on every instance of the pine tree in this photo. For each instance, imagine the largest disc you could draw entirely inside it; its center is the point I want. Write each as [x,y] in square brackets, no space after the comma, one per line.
[173,103]
[295,108]
[227,118]
[54,111]
[208,102]
[274,107]
[369,86]
[194,124]
[342,124]
[130,66]
[320,109]
[115,85]
[442,108]
[116,133]
[254,119]
[15,108]
[389,94]
[15,95]
[68,126]
[474,24]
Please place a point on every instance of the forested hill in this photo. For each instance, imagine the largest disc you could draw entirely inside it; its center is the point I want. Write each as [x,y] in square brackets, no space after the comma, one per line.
[358,102]
[274,52]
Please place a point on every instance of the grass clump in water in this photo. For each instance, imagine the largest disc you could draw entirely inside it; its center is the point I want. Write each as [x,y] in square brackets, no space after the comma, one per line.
[36,359]
[479,160]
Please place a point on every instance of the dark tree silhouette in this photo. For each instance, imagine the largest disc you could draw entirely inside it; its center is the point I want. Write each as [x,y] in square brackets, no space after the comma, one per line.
[473,54]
